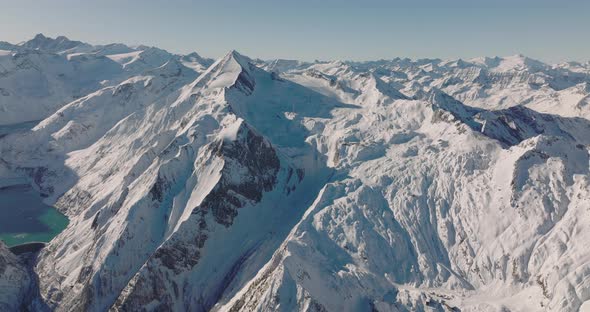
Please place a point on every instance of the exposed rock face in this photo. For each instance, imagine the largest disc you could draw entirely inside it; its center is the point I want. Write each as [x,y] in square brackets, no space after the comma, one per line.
[509,126]
[250,168]
[14,281]
[256,165]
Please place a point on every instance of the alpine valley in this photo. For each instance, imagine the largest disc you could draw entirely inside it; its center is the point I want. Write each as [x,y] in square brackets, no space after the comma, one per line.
[240,184]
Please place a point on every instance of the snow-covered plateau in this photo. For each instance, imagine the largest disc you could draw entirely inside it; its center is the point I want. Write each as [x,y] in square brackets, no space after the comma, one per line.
[242,184]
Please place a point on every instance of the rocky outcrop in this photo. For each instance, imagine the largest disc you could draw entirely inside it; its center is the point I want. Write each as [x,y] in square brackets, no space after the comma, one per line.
[14,281]
[250,168]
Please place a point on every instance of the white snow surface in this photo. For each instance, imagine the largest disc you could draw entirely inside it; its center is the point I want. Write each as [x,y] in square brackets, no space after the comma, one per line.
[43,74]
[242,185]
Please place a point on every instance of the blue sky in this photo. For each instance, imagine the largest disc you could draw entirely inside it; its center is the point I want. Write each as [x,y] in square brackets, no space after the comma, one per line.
[553,31]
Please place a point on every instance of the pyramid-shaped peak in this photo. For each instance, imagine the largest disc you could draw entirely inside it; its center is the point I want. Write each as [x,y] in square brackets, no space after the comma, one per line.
[233,52]
[233,62]
[233,69]
[235,55]
[39,36]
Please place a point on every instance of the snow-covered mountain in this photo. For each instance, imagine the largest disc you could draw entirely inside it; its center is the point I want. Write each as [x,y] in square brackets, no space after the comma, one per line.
[39,76]
[61,44]
[248,185]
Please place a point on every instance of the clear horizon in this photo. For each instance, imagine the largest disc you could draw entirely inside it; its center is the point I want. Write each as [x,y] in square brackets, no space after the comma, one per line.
[346,30]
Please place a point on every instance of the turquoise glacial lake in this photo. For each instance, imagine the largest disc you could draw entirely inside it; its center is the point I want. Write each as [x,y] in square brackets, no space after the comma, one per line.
[24,218]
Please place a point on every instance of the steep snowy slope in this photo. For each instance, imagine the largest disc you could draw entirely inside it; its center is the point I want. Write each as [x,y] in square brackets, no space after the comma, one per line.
[283,186]
[341,81]
[196,62]
[571,102]
[143,58]
[34,84]
[41,75]
[427,212]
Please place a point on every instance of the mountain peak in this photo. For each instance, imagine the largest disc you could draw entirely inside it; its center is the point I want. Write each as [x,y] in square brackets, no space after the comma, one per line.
[519,62]
[194,55]
[233,61]
[233,52]
[231,70]
[57,45]
[486,61]
[39,36]
[235,55]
